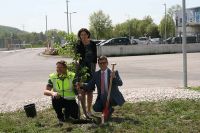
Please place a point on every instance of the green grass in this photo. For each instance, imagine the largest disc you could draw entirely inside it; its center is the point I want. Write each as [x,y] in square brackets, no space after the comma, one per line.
[143,117]
[194,88]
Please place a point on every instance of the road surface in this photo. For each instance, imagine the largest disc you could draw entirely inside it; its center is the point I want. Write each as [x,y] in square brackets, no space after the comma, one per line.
[24,73]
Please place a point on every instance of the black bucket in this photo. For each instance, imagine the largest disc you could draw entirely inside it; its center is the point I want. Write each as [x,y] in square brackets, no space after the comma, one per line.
[30,110]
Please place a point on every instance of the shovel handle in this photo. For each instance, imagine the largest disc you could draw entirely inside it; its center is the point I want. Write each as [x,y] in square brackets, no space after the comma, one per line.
[110,84]
[106,107]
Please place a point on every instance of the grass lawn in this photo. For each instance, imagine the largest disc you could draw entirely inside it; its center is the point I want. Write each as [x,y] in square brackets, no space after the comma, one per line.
[143,117]
[194,88]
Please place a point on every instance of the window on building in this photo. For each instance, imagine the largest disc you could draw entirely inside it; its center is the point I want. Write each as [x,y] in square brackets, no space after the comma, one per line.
[180,20]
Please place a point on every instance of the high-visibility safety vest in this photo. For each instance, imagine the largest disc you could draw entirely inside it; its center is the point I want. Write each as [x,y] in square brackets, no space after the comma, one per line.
[63,85]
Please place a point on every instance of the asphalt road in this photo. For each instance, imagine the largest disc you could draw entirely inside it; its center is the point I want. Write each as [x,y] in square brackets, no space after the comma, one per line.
[24,73]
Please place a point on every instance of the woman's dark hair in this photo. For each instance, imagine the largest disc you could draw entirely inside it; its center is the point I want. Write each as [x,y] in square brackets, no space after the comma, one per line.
[63,63]
[85,30]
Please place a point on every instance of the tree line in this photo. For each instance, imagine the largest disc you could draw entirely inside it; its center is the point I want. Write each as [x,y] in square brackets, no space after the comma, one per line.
[101,27]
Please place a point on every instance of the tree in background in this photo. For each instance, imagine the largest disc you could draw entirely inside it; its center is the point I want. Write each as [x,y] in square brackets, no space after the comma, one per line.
[170,22]
[172,10]
[136,28]
[144,24]
[170,27]
[56,35]
[135,31]
[119,30]
[153,31]
[100,25]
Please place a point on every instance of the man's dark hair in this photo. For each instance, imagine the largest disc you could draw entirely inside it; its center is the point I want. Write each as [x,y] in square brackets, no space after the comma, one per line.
[85,30]
[62,62]
[102,58]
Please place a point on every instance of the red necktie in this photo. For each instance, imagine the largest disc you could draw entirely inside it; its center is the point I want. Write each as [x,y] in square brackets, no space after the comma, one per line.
[102,82]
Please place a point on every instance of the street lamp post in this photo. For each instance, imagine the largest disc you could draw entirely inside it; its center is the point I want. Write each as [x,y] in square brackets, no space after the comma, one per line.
[184,45]
[71,20]
[11,39]
[47,39]
[67,13]
[129,25]
[165,24]
[46,23]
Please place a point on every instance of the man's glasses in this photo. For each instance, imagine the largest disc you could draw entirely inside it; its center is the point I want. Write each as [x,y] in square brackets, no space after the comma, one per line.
[103,63]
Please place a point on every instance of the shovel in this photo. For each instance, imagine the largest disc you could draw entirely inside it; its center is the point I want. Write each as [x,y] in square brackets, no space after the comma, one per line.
[105,113]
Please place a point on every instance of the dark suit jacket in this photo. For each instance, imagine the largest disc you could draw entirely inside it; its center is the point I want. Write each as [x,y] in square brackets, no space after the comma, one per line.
[115,95]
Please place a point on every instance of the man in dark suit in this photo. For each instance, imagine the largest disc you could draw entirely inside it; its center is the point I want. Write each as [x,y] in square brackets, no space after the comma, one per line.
[101,79]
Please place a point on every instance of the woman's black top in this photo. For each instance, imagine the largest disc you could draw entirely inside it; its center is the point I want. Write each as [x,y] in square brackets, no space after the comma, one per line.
[88,53]
[88,56]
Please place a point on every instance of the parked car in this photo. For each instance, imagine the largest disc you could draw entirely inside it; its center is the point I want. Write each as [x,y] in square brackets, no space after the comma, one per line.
[168,40]
[144,40]
[134,41]
[155,41]
[102,41]
[189,39]
[116,41]
[97,41]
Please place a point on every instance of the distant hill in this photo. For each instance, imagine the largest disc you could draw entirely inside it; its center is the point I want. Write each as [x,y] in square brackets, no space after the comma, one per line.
[8,30]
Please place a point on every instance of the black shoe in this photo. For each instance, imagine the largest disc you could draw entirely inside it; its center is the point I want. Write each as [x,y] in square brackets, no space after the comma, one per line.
[60,122]
[67,119]
[110,113]
[112,110]
[86,116]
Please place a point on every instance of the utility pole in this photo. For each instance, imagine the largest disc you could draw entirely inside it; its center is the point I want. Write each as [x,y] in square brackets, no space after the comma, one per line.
[11,38]
[165,23]
[129,25]
[23,40]
[46,23]
[67,16]
[71,20]
[184,45]
[46,33]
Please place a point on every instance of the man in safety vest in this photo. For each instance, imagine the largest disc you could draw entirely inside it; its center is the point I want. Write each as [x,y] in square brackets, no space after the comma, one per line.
[60,87]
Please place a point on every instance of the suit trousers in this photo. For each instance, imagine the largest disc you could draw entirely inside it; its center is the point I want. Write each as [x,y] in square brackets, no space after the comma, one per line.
[100,103]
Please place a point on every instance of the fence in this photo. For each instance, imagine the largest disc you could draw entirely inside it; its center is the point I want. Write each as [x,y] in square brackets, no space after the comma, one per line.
[124,50]
[9,44]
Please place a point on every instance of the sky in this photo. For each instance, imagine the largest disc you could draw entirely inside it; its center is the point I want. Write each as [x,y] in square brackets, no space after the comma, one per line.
[29,15]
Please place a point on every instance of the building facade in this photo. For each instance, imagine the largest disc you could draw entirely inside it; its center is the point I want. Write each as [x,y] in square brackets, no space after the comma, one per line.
[192,22]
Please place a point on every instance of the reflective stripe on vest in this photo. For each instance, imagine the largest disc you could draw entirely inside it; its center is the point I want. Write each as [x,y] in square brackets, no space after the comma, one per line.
[63,87]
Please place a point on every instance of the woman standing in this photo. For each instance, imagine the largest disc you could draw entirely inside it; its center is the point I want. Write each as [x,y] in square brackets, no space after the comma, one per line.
[88,53]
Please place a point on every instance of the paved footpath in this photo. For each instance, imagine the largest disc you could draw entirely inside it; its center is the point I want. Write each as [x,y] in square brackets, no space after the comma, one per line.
[24,74]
